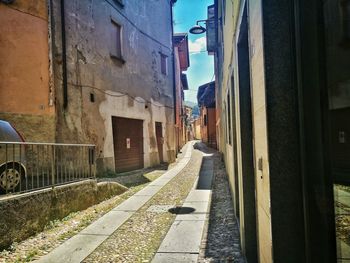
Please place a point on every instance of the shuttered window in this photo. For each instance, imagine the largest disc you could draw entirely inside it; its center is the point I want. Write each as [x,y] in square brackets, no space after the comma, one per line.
[163,64]
[116,38]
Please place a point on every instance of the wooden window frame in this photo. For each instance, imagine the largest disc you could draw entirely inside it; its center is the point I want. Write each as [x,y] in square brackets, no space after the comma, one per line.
[114,44]
[163,64]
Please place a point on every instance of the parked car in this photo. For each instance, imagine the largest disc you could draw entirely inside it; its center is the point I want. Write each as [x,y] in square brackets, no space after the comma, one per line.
[12,158]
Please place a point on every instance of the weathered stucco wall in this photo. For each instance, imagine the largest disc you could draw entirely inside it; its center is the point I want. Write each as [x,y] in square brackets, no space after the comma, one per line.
[24,68]
[27,214]
[34,128]
[134,89]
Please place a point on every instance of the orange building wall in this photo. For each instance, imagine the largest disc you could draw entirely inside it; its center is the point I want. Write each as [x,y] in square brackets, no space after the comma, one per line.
[212,127]
[208,131]
[24,63]
[204,127]
[24,69]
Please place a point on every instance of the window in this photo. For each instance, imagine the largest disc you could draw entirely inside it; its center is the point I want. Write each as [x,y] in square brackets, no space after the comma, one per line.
[163,64]
[92,97]
[116,39]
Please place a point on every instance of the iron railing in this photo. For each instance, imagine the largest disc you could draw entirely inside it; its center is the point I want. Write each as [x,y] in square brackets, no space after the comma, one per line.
[26,166]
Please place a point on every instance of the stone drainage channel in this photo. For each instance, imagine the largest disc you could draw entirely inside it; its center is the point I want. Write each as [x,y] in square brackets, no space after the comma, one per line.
[129,232]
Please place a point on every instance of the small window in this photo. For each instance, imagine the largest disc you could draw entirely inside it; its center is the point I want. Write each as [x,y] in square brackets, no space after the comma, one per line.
[116,45]
[163,64]
[92,97]
[205,120]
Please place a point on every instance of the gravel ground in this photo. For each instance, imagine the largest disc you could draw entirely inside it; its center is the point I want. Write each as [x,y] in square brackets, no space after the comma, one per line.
[342,218]
[138,239]
[221,242]
[60,230]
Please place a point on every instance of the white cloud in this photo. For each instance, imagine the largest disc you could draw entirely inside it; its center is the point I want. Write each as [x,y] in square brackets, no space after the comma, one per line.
[198,45]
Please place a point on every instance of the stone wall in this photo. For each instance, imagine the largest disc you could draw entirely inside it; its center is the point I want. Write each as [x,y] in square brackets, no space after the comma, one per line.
[34,128]
[26,214]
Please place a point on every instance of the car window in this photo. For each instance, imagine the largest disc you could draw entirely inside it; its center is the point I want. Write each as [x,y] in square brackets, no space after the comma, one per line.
[8,134]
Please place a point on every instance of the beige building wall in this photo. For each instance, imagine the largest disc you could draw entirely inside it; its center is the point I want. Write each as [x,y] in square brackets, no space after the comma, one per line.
[230,73]
[229,35]
[260,131]
[26,98]
[229,23]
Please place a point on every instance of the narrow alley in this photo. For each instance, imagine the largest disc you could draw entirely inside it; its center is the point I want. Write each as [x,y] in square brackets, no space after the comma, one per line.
[175,218]
[175,131]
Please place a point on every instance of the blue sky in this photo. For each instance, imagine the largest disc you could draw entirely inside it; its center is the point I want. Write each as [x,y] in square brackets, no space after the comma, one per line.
[201,70]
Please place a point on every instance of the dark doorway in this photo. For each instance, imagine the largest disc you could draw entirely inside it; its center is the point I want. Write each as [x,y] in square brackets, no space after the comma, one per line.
[232,109]
[319,221]
[337,59]
[128,144]
[160,140]
[248,179]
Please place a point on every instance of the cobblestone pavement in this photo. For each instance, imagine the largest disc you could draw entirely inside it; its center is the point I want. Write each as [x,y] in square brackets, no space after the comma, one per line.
[138,239]
[221,241]
[59,231]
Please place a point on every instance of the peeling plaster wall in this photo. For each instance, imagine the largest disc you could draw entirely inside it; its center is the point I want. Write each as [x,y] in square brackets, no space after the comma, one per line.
[122,90]
[119,106]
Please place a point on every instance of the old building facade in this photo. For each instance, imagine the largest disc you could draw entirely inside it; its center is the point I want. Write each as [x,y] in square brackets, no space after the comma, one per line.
[207,106]
[96,72]
[282,74]
[182,62]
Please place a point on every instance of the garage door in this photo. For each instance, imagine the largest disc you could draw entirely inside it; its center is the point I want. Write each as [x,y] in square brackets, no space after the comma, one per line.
[128,144]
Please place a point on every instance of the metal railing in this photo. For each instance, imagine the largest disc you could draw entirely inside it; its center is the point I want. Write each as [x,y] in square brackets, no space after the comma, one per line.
[26,166]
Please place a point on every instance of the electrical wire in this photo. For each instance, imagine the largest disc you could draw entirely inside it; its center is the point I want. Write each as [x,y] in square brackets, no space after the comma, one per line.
[135,26]
[112,5]
[27,13]
[119,95]
[196,90]
[196,52]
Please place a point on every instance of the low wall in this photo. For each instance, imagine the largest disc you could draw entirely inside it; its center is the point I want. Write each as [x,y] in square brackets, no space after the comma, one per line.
[21,216]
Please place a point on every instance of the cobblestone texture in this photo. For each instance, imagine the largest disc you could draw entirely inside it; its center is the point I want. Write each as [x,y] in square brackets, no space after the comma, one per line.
[138,239]
[59,231]
[221,241]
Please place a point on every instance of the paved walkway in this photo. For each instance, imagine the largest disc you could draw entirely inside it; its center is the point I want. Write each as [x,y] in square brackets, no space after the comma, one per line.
[167,220]
[82,245]
[183,240]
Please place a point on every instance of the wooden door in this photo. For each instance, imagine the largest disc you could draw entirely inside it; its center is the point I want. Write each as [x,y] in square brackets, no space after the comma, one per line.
[128,144]
[160,140]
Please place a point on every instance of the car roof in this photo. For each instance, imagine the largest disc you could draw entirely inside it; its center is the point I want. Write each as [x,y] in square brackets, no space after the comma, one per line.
[8,132]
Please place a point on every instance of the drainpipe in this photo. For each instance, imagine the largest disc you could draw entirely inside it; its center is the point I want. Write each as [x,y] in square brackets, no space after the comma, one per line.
[64,56]
[172,2]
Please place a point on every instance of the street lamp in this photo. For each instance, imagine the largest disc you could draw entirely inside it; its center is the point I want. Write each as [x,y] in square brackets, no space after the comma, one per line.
[198,29]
